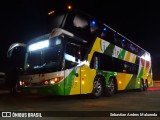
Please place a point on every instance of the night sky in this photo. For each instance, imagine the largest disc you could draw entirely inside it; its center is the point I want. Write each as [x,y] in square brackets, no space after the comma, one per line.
[139,21]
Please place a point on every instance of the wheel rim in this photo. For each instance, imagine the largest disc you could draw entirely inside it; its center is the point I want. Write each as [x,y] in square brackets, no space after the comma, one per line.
[141,85]
[112,86]
[97,87]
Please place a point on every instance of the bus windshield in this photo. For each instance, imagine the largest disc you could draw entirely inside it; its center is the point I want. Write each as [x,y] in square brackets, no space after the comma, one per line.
[44,59]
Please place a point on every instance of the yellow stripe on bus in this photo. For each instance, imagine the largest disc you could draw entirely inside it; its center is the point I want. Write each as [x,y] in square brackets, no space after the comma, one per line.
[128,55]
[123,80]
[96,47]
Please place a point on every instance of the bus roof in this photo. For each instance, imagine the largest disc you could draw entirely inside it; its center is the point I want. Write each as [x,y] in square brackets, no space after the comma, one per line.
[124,37]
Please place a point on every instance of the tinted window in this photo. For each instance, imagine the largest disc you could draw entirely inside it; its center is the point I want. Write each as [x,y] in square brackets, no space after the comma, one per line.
[108,63]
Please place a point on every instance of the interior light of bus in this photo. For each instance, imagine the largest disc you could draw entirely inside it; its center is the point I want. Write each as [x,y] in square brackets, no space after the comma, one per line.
[39,45]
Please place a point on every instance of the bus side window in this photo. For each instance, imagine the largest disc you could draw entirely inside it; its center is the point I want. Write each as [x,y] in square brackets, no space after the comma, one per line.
[135,69]
[117,40]
[132,48]
[123,43]
[96,62]
[106,34]
[136,50]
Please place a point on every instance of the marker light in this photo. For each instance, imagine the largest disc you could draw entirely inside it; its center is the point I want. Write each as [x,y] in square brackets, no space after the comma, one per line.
[93,22]
[50,13]
[120,82]
[82,82]
[104,29]
[39,45]
[123,40]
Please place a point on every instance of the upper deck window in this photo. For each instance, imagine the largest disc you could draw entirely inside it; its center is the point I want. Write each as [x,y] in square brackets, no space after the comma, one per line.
[80,22]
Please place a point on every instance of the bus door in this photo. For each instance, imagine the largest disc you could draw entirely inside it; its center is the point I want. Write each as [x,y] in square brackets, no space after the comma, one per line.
[72,69]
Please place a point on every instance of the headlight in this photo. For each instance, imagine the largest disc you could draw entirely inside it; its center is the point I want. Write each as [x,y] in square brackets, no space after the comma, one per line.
[21,83]
[53,81]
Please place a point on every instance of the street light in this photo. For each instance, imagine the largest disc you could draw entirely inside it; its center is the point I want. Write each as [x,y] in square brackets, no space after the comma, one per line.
[69,7]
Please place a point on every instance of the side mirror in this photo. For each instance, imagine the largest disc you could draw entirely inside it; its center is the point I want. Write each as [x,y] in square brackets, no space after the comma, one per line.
[12,47]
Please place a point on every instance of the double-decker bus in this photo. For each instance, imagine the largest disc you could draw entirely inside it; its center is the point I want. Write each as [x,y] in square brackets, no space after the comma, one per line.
[82,55]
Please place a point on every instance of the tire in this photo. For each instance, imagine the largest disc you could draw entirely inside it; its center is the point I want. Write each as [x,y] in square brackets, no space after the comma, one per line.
[141,85]
[145,85]
[97,88]
[111,89]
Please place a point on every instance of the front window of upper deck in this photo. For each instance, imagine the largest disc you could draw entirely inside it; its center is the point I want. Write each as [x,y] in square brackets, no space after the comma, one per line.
[44,56]
[82,26]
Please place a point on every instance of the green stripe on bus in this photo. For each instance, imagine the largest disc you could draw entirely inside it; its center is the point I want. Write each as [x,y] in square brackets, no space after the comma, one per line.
[132,83]
[122,54]
[140,73]
[109,50]
[69,81]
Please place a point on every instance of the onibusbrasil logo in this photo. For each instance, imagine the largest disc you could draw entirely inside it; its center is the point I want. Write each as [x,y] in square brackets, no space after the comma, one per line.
[21,114]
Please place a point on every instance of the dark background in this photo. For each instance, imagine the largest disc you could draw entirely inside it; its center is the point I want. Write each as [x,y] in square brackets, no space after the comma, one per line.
[22,20]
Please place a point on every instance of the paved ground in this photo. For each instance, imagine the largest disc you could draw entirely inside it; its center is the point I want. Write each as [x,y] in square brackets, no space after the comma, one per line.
[122,102]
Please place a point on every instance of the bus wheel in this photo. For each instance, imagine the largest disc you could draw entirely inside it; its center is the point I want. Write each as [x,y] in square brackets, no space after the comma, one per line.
[145,85]
[111,88]
[97,88]
[141,85]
